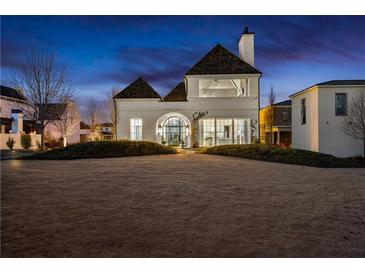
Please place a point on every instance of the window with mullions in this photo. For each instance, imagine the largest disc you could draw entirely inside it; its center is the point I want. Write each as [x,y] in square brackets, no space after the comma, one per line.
[242,131]
[136,129]
[224,131]
[340,104]
[174,132]
[207,132]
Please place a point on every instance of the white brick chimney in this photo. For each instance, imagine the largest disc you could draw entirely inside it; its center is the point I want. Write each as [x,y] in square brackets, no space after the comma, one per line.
[246,47]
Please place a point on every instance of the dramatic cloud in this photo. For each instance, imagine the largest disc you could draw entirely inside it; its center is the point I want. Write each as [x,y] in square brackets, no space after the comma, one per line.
[104,51]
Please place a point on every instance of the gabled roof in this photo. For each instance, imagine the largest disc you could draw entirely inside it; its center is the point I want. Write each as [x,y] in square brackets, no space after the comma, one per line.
[84,125]
[178,93]
[138,89]
[332,83]
[55,110]
[221,61]
[11,93]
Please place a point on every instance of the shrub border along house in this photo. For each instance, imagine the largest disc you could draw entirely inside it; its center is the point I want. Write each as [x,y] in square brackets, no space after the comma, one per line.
[103,149]
[272,153]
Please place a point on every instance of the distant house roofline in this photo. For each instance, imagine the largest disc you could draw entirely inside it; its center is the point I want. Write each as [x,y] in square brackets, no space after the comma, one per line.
[332,83]
[11,93]
[285,103]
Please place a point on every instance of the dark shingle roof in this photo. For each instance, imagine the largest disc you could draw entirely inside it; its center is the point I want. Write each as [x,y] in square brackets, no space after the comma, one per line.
[283,103]
[178,93]
[343,83]
[54,111]
[84,125]
[138,89]
[221,61]
[10,92]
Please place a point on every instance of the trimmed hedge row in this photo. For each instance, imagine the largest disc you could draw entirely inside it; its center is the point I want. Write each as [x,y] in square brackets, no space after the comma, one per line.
[103,149]
[282,155]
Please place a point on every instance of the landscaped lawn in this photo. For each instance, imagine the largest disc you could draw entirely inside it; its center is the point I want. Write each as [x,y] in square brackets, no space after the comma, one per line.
[180,206]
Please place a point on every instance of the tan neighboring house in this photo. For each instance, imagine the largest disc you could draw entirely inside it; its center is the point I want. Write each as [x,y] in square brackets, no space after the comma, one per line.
[275,122]
[104,132]
[317,114]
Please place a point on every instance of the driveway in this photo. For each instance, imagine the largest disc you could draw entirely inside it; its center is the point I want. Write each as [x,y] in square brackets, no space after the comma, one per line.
[180,206]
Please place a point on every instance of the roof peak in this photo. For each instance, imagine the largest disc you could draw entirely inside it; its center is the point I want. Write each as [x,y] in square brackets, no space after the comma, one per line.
[139,88]
[219,60]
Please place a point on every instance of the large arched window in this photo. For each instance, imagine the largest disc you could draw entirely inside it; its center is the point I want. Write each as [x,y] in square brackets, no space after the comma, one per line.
[174,131]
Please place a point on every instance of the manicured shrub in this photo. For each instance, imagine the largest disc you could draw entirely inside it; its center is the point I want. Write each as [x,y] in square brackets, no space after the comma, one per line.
[103,149]
[272,153]
[10,143]
[26,141]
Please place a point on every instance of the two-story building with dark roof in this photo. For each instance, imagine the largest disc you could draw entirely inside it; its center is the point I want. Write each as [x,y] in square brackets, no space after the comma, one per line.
[223,85]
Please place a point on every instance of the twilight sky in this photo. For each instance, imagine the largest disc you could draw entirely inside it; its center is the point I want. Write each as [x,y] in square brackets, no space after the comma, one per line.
[293,52]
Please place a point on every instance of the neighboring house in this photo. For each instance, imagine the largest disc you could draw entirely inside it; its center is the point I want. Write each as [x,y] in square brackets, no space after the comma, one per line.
[15,121]
[84,132]
[221,83]
[104,132]
[317,113]
[276,119]
[12,120]
[56,114]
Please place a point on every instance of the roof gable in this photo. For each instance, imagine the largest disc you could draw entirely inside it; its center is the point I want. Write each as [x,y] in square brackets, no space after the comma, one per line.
[178,93]
[221,61]
[11,93]
[138,89]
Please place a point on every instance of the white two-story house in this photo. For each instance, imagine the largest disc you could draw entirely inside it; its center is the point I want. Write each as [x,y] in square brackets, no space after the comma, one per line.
[221,84]
[317,116]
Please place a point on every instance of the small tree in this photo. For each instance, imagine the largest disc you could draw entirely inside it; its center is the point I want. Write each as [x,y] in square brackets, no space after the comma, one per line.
[353,124]
[92,117]
[26,141]
[43,82]
[270,113]
[67,120]
[10,143]
[113,108]
[196,117]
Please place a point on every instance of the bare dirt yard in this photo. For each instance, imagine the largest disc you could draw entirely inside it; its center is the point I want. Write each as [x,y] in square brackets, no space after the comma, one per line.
[180,206]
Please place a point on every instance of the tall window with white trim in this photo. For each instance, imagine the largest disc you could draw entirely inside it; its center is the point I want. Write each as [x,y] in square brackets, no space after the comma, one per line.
[136,129]
[242,131]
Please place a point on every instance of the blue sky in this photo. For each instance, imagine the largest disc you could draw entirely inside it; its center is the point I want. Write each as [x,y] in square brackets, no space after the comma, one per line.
[100,52]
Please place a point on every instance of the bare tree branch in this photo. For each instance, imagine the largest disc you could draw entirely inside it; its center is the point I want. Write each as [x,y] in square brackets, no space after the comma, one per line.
[92,118]
[271,97]
[113,108]
[43,82]
[67,121]
[353,124]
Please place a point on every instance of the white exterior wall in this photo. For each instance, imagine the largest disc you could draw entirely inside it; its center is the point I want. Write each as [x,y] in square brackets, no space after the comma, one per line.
[305,136]
[322,132]
[332,140]
[150,110]
[73,138]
